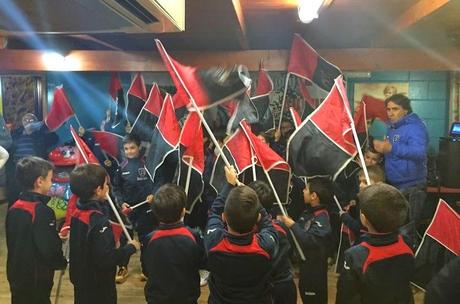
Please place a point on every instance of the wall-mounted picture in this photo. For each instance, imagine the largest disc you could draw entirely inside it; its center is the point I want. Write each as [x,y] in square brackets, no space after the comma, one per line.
[380,90]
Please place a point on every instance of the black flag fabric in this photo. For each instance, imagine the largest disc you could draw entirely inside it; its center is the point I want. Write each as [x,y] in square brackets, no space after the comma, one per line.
[207,88]
[304,62]
[165,138]
[137,95]
[323,144]
[245,110]
[118,97]
[440,244]
[192,162]
[145,122]
[261,101]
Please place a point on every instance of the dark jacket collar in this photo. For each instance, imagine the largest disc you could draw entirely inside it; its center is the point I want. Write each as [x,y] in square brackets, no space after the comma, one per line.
[380,239]
[164,226]
[89,205]
[30,196]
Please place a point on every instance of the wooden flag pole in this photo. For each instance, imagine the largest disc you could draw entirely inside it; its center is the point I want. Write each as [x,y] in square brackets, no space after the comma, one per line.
[283,211]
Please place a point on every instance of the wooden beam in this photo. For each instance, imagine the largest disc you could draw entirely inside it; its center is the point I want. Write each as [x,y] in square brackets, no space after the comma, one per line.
[242,34]
[444,59]
[417,12]
[410,17]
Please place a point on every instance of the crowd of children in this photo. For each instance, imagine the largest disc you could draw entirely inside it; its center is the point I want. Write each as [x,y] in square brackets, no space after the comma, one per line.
[247,245]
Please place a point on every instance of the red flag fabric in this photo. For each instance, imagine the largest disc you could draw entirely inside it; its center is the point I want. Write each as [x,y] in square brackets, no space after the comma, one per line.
[295,117]
[137,95]
[207,87]
[445,227]
[369,108]
[60,111]
[86,156]
[192,139]
[266,157]
[165,137]
[240,148]
[305,62]
[146,120]
[192,164]
[117,231]
[323,144]
[109,142]
[264,83]
[154,101]
[71,207]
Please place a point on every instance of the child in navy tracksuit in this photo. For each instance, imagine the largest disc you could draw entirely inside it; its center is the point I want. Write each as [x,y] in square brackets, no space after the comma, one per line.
[379,269]
[94,255]
[284,290]
[239,259]
[173,253]
[132,185]
[34,247]
[313,232]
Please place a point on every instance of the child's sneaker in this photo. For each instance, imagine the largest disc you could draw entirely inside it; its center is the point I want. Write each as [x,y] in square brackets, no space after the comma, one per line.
[122,275]
[204,275]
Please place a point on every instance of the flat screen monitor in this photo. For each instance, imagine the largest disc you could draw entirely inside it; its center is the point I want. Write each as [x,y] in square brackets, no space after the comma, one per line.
[455,129]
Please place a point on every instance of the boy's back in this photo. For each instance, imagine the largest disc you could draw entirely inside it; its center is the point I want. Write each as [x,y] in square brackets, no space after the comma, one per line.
[93,257]
[239,265]
[377,271]
[34,248]
[171,262]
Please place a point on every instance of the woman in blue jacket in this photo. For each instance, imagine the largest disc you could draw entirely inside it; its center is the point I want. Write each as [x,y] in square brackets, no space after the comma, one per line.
[405,149]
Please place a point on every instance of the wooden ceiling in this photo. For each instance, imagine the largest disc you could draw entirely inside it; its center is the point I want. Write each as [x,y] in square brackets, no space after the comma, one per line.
[262,24]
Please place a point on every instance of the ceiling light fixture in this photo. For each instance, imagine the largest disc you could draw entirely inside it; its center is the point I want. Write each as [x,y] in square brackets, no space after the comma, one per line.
[54,61]
[308,10]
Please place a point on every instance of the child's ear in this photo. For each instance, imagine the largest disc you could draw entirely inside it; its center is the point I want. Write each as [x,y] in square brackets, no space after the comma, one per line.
[363,219]
[182,213]
[259,218]
[223,217]
[313,195]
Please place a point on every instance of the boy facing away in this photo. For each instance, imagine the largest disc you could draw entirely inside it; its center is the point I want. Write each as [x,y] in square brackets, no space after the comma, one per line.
[34,247]
[378,270]
[239,258]
[173,253]
[313,232]
[93,254]
[284,290]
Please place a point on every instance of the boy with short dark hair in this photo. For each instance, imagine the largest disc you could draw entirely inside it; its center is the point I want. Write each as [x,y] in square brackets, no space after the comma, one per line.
[239,258]
[132,185]
[34,247]
[284,290]
[93,253]
[378,270]
[173,253]
[350,216]
[313,232]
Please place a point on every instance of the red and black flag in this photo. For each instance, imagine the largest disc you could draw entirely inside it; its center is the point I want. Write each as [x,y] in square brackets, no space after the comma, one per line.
[145,122]
[295,117]
[165,138]
[137,95]
[110,143]
[118,97]
[440,244]
[323,144]
[369,108]
[207,88]
[245,110]
[192,163]
[60,111]
[310,103]
[269,161]
[304,62]
[85,155]
[261,101]
[239,153]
